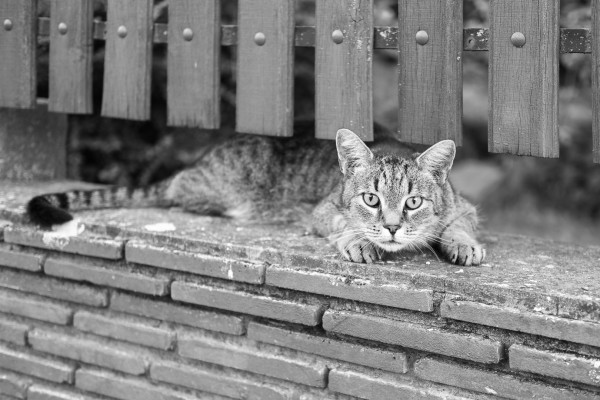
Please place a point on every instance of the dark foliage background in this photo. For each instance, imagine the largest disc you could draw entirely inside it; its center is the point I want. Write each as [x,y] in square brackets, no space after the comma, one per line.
[559,198]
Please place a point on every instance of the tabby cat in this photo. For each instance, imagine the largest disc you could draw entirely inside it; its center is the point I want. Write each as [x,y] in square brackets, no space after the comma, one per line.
[387,198]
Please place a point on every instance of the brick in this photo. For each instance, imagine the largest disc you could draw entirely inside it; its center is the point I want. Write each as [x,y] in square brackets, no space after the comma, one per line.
[128,388]
[84,245]
[557,365]
[118,276]
[102,353]
[465,346]
[13,331]
[43,392]
[42,367]
[494,383]
[21,260]
[376,385]
[393,361]
[135,330]
[392,295]
[262,306]
[217,382]
[195,263]
[249,358]
[35,307]
[177,313]
[54,288]
[515,320]
[14,385]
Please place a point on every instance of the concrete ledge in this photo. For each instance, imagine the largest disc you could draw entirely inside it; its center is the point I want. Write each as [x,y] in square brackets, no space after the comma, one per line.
[217,308]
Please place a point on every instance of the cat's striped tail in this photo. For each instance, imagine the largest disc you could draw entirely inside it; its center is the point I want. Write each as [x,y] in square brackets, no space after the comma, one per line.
[53,209]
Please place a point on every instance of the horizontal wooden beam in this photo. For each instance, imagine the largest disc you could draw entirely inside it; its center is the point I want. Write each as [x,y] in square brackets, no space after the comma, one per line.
[474,39]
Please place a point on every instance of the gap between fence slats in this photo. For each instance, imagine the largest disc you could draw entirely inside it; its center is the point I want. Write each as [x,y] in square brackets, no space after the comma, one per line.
[71,52]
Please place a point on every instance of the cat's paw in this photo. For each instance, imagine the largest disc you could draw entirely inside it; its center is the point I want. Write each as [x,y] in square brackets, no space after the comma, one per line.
[358,250]
[464,254]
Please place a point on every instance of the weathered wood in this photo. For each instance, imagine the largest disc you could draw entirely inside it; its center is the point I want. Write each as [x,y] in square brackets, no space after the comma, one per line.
[523,81]
[33,144]
[18,43]
[193,63]
[572,40]
[343,68]
[128,59]
[265,73]
[71,52]
[430,74]
[596,80]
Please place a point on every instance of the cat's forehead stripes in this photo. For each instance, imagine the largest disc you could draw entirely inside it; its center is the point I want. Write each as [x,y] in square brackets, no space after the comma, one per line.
[390,178]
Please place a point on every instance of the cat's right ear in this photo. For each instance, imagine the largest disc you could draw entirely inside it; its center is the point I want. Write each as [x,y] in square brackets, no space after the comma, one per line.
[353,153]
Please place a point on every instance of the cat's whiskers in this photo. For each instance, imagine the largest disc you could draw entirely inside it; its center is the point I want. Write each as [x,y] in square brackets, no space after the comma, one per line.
[347,235]
[426,245]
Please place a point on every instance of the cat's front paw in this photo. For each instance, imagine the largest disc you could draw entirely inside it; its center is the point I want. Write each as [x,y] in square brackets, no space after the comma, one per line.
[464,254]
[357,250]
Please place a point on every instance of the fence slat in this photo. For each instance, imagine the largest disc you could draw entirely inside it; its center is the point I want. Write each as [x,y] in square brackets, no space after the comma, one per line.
[343,65]
[193,63]
[265,66]
[71,51]
[596,80]
[128,59]
[430,47]
[18,44]
[523,81]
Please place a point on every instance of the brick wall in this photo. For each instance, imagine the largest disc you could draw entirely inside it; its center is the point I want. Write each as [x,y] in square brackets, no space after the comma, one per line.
[95,317]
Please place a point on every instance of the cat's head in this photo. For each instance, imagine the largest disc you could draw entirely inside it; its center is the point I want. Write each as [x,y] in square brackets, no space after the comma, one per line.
[395,202]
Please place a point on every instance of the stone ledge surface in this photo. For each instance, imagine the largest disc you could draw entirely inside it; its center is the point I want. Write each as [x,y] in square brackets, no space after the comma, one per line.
[293,319]
[520,272]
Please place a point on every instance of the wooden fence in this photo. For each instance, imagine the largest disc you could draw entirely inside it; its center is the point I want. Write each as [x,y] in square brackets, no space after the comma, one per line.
[524,42]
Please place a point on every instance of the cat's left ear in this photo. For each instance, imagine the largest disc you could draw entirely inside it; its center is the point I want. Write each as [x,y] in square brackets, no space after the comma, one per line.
[438,159]
[353,153]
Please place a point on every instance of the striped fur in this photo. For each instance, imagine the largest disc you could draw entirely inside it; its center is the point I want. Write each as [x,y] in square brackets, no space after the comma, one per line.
[258,177]
[53,209]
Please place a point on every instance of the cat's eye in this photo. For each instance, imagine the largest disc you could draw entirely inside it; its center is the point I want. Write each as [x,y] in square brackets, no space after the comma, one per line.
[371,200]
[414,202]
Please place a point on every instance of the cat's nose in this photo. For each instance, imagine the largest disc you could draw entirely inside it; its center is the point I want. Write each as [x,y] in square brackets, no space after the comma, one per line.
[392,228]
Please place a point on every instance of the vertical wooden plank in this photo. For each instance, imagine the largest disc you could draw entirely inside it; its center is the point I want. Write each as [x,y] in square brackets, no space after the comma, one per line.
[193,63]
[343,67]
[18,44]
[265,67]
[523,78]
[71,51]
[128,59]
[33,144]
[430,70]
[596,78]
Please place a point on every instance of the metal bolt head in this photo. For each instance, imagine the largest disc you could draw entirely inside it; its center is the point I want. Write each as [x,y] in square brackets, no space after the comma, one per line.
[422,38]
[122,31]
[337,36]
[188,34]
[518,39]
[260,38]
[8,25]
[62,28]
